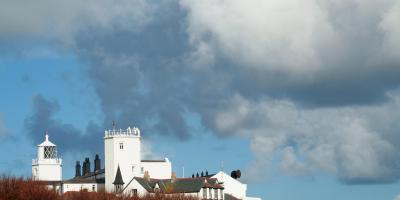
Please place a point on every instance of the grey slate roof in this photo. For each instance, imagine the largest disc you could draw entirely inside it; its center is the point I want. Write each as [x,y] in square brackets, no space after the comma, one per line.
[179,185]
[118,178]
[88,178]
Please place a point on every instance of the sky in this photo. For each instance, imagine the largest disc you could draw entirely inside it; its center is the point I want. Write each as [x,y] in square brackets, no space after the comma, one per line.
[302,96]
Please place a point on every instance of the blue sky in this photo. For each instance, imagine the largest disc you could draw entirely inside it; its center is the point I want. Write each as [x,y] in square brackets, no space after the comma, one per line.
[302,97]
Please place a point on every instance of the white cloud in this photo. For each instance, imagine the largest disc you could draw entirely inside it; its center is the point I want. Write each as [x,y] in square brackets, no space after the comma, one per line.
[299,39]
[354,143]
[147,150]
[279,34]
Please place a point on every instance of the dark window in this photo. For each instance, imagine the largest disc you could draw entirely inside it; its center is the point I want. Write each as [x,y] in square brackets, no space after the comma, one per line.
[50,152]
[134,192]
[93,187]
[121,145]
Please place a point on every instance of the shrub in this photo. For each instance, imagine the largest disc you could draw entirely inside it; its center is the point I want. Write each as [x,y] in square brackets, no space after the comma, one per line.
[12,188]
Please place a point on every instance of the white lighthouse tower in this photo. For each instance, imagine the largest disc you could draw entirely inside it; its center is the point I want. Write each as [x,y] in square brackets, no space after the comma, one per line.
[47,166]
[122,157]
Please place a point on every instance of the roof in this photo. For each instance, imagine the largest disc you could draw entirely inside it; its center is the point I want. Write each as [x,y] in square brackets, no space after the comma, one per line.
[88,178]
[46,142]
[118,178]
[153,161]
[179,185]
[230,197]
[80,179]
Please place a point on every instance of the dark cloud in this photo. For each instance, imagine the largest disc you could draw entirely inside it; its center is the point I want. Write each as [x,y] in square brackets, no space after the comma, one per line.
[239,85]
[316,82]
[139,76]
[67,137]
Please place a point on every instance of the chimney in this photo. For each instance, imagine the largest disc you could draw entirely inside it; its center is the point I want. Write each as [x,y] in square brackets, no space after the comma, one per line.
[87,168]
[97,163]
[202,174]
[77,169]
[206,173]
[173,177]
[146,175]
[83,168]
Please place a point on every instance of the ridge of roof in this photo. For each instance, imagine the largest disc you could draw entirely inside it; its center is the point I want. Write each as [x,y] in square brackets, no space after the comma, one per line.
[181,185]
[153,161]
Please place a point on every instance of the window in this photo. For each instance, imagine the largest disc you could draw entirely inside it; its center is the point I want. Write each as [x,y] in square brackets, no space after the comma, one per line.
[204,193]
[50,152]
[121,145]
[134,192]
[222,194]
[215,193]
[118,188]
[210,193]
[133,168]
[93,187]
[142,170]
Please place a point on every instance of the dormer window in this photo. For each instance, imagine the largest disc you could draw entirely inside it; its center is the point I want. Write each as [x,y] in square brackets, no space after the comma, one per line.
[121,145]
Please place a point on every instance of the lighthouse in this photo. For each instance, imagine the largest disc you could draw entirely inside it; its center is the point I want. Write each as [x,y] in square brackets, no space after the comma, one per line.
[47,166]
[122,157]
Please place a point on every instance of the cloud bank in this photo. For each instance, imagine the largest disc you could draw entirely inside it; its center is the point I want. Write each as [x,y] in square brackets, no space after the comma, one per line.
[66,136]
[315,83]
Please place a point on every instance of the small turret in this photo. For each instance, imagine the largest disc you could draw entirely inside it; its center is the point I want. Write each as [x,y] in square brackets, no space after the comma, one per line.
[118,181]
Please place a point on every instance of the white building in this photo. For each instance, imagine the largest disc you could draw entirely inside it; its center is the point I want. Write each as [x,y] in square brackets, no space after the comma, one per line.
[47,166]
[233,187]
[126,172]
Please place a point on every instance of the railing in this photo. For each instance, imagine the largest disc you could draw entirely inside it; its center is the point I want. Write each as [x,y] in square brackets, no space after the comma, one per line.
[129,132]
[47,161]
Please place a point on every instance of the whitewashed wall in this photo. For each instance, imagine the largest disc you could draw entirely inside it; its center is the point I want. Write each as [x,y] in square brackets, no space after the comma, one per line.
[128,158]
[135,185]
[231,185]
[157,170]
[67,187]
[47,170]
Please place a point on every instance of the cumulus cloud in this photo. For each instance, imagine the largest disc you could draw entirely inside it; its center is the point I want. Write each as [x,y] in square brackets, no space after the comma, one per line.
[313,82]
[308,81]
[320,48]
[358,144]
